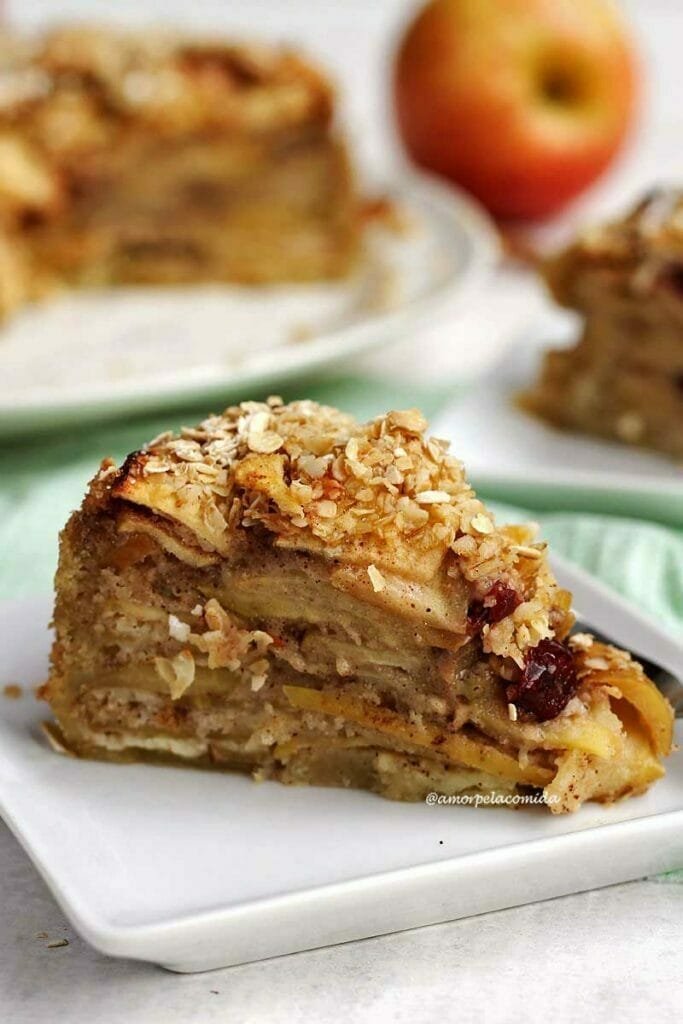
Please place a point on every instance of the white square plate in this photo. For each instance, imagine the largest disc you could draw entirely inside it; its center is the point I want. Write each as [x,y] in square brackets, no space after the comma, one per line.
[515,457]
[196,870]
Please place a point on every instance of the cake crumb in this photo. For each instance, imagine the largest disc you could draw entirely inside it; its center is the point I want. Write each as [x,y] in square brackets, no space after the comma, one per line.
[54,738]
[57,944]
[178,630]
[630,427]
[300,332]
[599,664]
[12,691]
[376,578]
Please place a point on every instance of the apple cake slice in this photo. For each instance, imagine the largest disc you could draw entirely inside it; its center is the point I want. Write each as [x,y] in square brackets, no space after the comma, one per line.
[624,378]
[285,592]
[153,158]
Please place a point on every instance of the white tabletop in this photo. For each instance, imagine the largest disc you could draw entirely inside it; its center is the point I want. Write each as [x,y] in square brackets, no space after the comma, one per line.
[612,954]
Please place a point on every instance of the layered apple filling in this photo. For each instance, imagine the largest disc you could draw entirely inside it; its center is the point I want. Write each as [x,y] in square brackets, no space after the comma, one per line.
[213,608]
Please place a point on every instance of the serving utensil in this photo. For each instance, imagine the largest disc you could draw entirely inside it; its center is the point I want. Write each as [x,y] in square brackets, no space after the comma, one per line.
[611,619]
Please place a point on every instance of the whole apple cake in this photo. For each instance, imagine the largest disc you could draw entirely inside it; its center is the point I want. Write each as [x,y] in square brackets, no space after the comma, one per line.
[285,592]
[624,378]
[149,158]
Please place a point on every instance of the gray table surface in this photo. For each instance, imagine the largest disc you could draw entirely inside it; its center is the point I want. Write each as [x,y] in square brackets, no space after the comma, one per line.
[614,954]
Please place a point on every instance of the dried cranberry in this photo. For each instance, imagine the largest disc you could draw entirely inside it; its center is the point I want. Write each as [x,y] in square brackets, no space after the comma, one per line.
[547,683]
[672,278]
[498,602]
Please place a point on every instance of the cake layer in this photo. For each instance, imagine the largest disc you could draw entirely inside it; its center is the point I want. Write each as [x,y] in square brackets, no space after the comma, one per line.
[620,401]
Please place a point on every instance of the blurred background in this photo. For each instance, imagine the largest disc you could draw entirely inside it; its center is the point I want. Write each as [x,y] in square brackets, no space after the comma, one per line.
[357,43]
[434,358]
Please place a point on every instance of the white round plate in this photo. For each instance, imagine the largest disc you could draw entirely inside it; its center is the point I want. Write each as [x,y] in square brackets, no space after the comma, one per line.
[97,355]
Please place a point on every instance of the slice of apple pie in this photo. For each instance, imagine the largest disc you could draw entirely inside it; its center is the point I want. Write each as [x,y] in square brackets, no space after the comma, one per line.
[285,592]
[160,158]
[624,378]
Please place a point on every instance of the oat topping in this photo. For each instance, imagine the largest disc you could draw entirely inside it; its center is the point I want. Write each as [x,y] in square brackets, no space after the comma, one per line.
[656,220]
[178,630]
[481,523]
[602,658]
[379,494]
[600,664]
[177,83]
[582,641]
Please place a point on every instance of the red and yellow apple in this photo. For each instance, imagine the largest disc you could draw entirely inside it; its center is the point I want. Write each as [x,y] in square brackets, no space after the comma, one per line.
[522,102]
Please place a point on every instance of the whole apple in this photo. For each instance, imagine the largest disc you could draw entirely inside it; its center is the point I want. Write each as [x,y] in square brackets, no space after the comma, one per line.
[522,102]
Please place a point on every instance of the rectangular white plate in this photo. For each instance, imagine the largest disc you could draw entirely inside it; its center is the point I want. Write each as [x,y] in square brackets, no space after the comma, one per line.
[515,457]
[196,870]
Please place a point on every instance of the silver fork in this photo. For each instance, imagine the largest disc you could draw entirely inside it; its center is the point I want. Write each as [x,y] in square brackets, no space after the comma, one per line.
[612,619]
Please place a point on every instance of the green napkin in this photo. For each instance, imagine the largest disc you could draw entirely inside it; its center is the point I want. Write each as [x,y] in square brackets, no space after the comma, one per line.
[42,480]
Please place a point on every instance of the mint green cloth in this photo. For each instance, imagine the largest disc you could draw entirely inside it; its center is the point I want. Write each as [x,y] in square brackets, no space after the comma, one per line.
[42,480]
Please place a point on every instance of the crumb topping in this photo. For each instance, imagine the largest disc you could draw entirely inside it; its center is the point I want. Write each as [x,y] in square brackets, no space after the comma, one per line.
[74,81]
[656,221]
[646,244]
[177,672]
[223,644]
[593,657]
[382,495]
